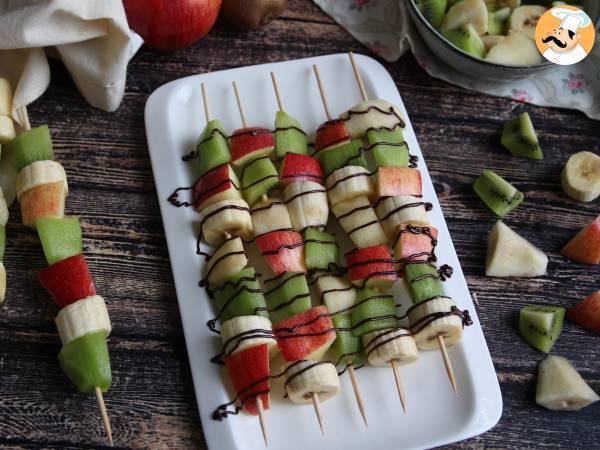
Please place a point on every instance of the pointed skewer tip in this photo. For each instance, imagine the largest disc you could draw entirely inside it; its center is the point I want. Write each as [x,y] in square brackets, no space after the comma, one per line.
[357,394]
[399,386]
[104,415]
[262,417]
[318,412]
[447,363]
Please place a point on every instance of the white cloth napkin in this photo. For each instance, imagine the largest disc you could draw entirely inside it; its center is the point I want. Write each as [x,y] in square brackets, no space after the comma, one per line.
[384,26]
[90,36]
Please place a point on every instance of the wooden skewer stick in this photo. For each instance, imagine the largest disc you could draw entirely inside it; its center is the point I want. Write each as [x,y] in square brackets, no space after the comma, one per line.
[322,91]
[238,99]
[206,104]
[262,418]
[104,414]
[317,405]
[277,91]
[447,363]
[399,386]
[357,395]
[359,80]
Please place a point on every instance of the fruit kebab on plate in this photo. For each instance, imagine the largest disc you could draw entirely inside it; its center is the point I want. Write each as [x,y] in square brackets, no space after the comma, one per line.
[83,323]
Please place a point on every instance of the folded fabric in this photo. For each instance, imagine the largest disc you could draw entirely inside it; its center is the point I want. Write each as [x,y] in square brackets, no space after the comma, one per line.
[384,26]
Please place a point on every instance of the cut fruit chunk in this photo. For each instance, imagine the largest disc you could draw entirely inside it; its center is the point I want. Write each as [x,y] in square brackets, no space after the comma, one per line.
[283,250]
[212,148]
[414,243]
[371,114]
[560,387]
[290,138]
[321,251]
[226,261]
[61,238]
[85,316]
[525,19]
[423,281]
[392,181]
[438,316]
[39,173]
[498,21]
[307,204]
[490,40]
[433,10]
[305,336]
[388,146]
[43,201]
[226,217]
[348,154]
[68,280]
[297,167]
[6,97]
[8,177]
[585,246]
[85,361]
[240,295]
[2,282]
[30,146]
[347,348]
[335,292]
[372,267]
[580,178]
[247,144]
[307,377]
[270,214]
[7,129]
[2,241]
[331,134]
[258,177]
[384,346]
[373,311]
[348,182]
[3,209]
[395,211]
[466,38]
[287,295]
[540,326]
[220,183]
[249,374]
[497,193]
[587,313]
[358,219]
[520,139]
[515,50]
[472,12]
[242,332]
[510,255]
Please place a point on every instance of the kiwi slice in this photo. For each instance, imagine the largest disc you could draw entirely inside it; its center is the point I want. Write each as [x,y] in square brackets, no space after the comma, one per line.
[212,147]
[388,147]
[320,249]
[497,21]
[433,10]
[259,176]
[30,146]
[373,311]
[540,326]
[467,39]
[497,193]
[347,348]
[289,136]
[350,154]
[287,295]
[240,295]
[519,137]
[423,281]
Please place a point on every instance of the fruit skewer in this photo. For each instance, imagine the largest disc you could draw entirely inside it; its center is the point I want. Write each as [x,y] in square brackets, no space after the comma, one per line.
[83,322]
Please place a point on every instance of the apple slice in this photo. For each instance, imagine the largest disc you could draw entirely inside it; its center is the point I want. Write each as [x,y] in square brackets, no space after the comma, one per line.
[392,181]
[587,313]
[220,183]
[372,267]
[299,167]
[246,144]
[283,250]
[47,200]
[307,335]
[331,134]
[585,246]
[414,243]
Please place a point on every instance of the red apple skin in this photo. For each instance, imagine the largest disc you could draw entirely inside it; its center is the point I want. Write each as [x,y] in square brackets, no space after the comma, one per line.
[217,184]
[392,181]
[585,246]
[168,25]
[331,134]
[587,313]
[298,167]
[364,261]
[250,143]
[417,247]
[285,259]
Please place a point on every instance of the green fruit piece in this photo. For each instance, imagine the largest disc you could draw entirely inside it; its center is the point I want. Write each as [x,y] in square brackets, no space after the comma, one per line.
[519,137]
[497,193]
[289,136]
[61,238]
[86,362]
[497,21]
[240,295]
[350,154]
[467,39]
[213,150]
[373,311]
[451,3]
[388,147]
[540,326]
[347,348]
[423,281]
[433,10]
[2,242]
[320,249]
[30,146]
[258,177]
[287,295]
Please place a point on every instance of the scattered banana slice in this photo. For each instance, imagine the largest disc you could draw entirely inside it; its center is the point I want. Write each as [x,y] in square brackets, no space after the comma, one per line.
[580,177]
[467,11]
[525,18]
[514,50]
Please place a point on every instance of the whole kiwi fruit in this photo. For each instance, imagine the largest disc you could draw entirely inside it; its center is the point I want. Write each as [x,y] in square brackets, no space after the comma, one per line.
[252,14]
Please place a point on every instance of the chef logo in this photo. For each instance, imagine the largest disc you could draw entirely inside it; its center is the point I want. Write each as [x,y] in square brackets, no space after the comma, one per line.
[565,35]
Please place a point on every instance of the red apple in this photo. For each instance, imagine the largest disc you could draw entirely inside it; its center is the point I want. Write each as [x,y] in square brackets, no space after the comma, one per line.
[585,246]
[283,250]
[168,25]
[250,143]
[392,181]
[218,184]
[587,312]
[331,134]
[414,243]
[372,266]
[298,167]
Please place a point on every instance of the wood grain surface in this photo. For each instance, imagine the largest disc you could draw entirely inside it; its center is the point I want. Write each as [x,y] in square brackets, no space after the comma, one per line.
[151,402]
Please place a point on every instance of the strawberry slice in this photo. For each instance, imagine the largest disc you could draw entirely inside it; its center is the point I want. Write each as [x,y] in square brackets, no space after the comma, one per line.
[372,266]
[68,280]
[283,250]
[249,373]
[250,143]
[331,134]
[587,313]
[414,243]
[585,246]
[313,334]
[299,167]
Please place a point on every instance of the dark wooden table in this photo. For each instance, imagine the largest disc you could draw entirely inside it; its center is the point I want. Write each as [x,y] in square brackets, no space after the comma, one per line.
[151,402]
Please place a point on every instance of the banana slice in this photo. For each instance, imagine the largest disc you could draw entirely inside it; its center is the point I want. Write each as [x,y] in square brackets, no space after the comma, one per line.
[3,209]
[307,377]
[226,261]
[357,218]
[2,282]
[39,173]
[384,346]
[270,214]
[525,18]
[580,178]
[426,327]
[348,182]
[490,40]
[82,317]
[467,11]
[494,5]
[307,204]
[371,114]
[6,98]
[243,332]
[7,129]
[336,292]
[515,50]
[394,211]
[230,216]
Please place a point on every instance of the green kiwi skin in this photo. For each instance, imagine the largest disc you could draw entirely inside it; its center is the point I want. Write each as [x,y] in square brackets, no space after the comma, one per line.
[491,188]
[498,21]
[466,38]
[542,340]
[259,177]
[433,10]
[520,139]
[423,281]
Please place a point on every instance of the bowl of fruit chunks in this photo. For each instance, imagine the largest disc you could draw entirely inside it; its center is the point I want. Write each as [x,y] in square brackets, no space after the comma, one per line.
[490,39]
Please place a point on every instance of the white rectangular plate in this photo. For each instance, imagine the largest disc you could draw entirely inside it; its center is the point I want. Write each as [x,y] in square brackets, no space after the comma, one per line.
[435,415]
